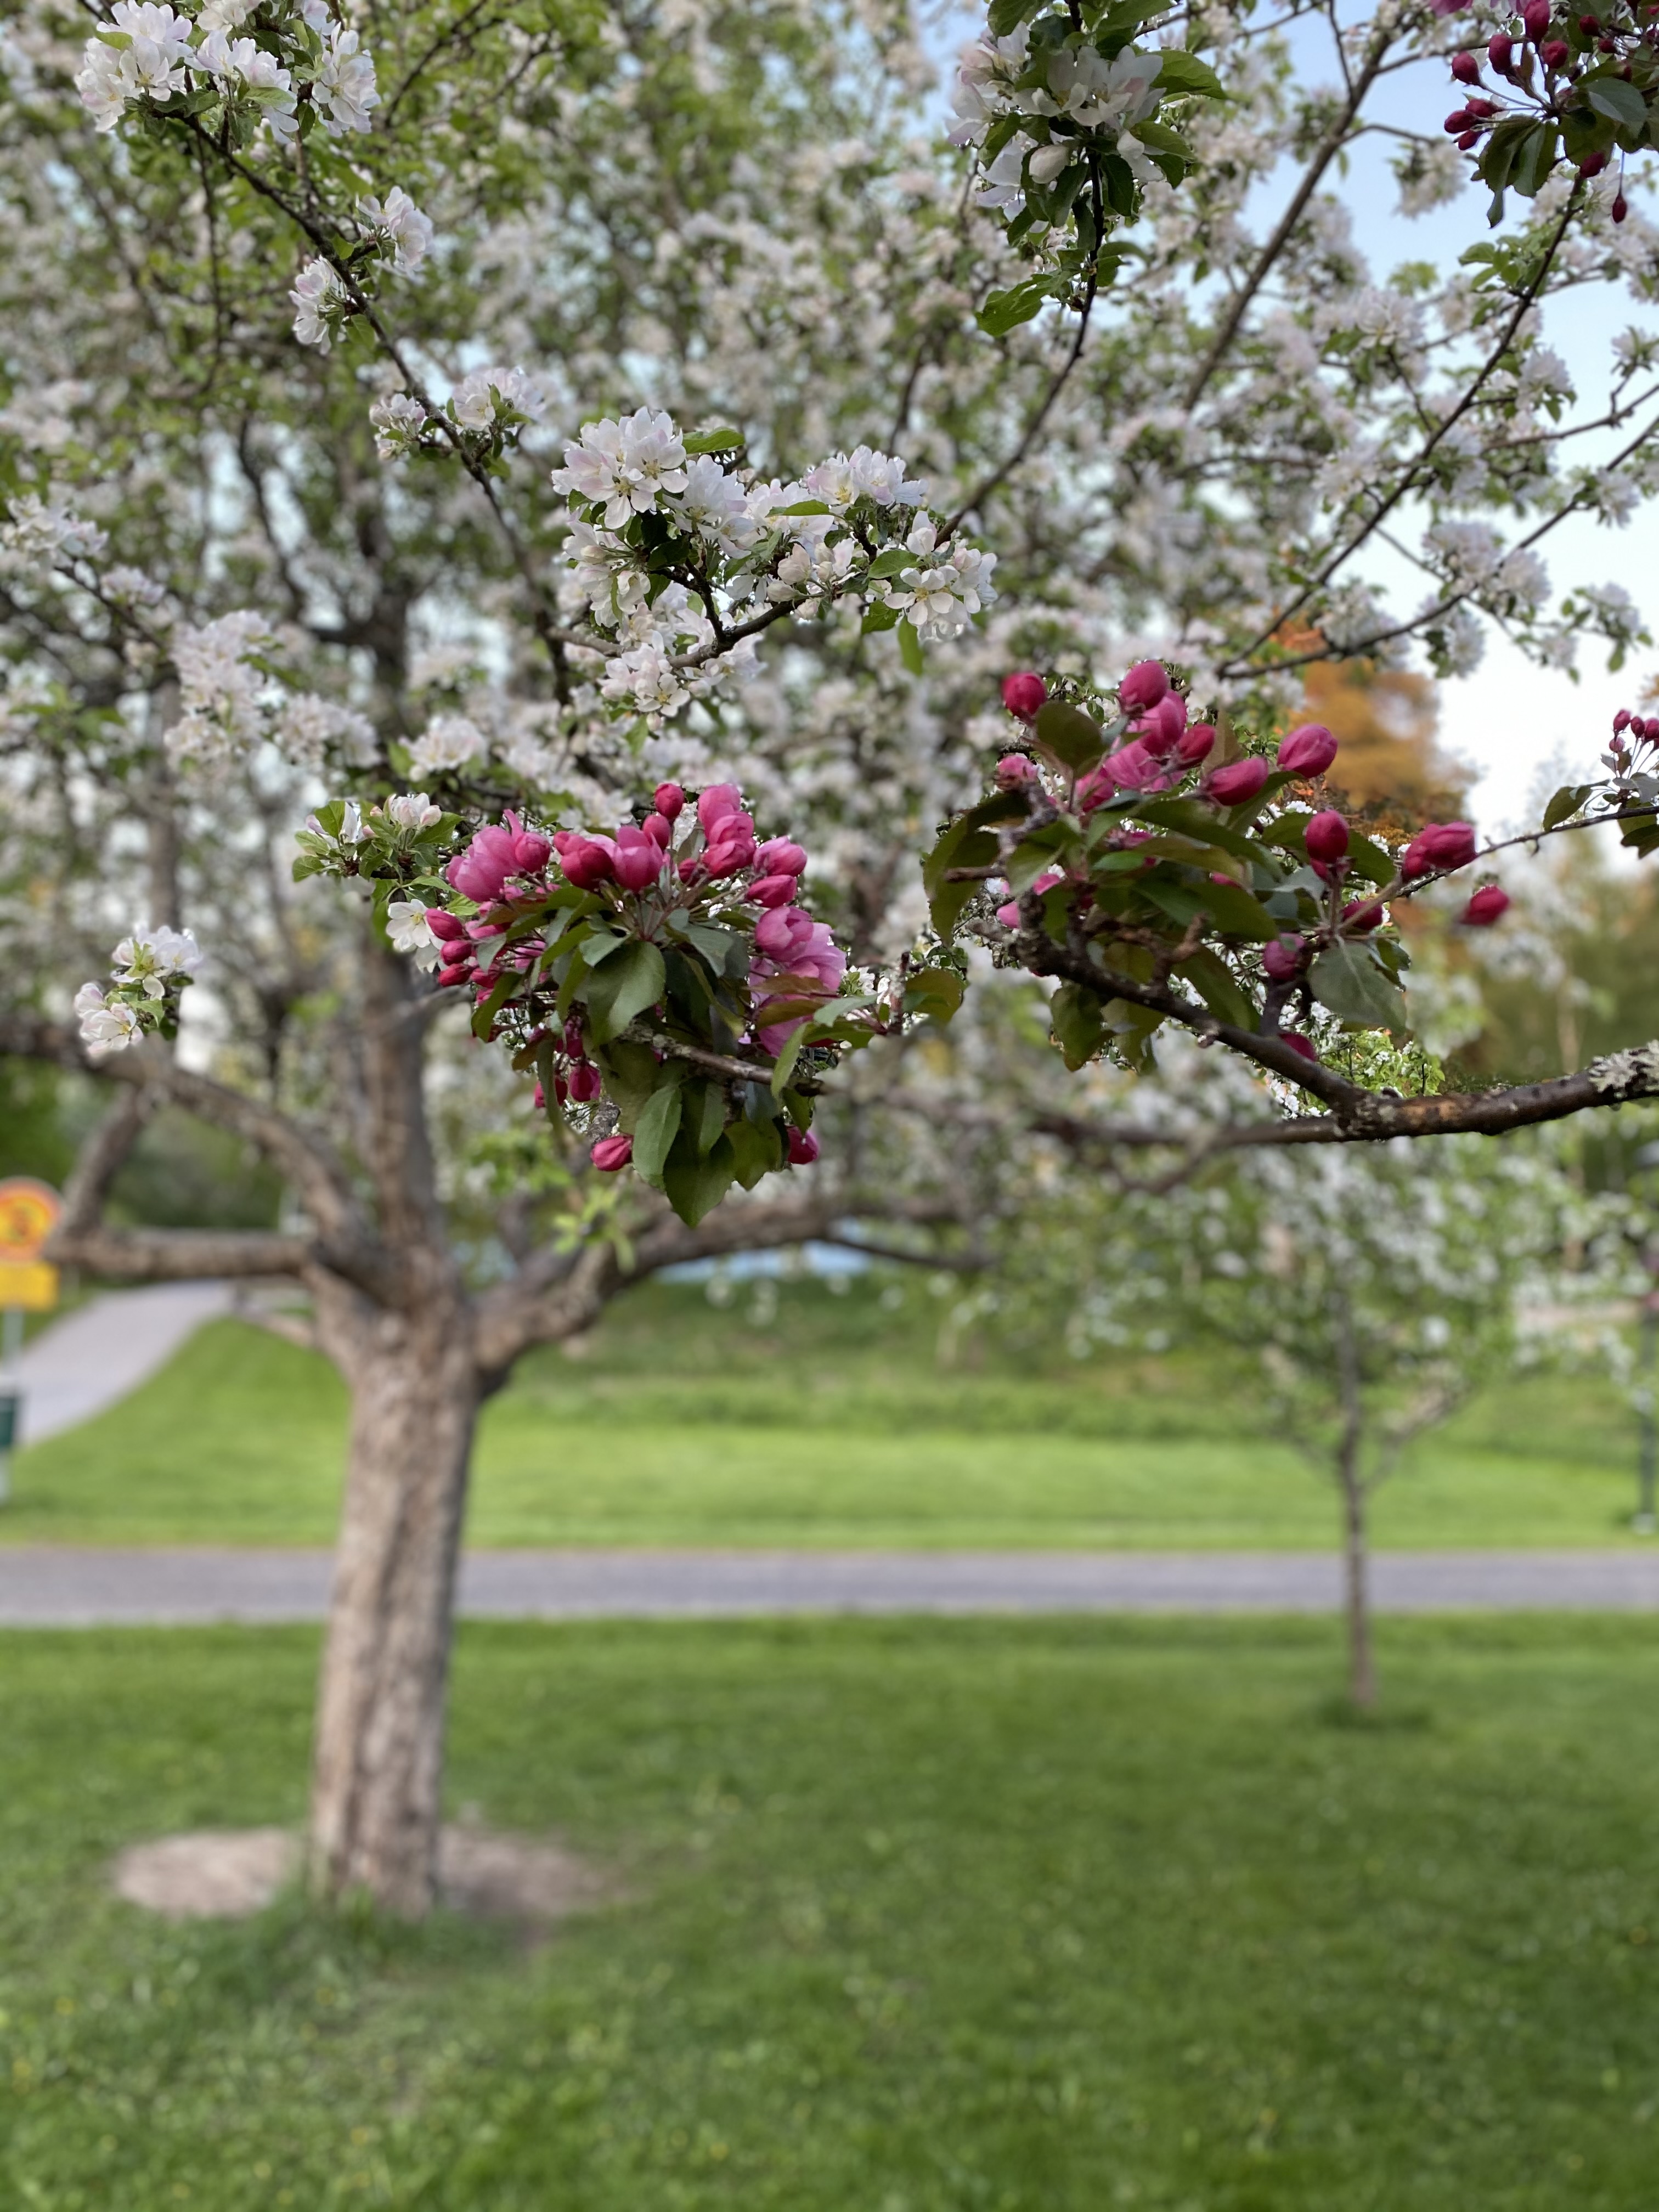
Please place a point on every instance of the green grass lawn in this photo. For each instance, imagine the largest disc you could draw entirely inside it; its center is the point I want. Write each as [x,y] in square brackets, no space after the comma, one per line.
[1037,1917]
[827,1421]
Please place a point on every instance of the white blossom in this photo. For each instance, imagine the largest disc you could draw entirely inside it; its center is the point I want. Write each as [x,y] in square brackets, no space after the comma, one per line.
[403,234]
[107,1026]
[412,811]
[411,931]
[448,741]
[150,959]
[480,399]
[321,304]
[344,89]
[398,421]
[150,66]
[627,465]
[646,679]
[39,533]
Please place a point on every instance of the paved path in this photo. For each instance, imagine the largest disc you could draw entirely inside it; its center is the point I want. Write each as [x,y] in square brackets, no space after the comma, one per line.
[45,1586]
[107,1347]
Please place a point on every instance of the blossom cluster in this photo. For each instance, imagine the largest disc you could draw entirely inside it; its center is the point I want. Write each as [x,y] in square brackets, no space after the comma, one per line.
[231,700]
[485,412]
[305,68]
[1172,855]
[678,561]
[149,970]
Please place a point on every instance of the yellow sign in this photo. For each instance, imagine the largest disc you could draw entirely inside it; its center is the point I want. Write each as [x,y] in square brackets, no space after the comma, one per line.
[30,1285]
[29,1214]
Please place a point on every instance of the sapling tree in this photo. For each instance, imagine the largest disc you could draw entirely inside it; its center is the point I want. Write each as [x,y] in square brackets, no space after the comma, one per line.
[584,474]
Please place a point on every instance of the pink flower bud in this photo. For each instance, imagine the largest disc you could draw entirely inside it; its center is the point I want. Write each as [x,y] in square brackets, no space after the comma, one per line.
[1362,916]
[1014,769]
[1235,781]
[529,852]
[781,930]
[575,1045]
[1620,207]
[586,1083]
[1592,164]
[1197,742]
[1467,139]
[1326,838]
[1008,915]
[1465,69]
[1621,720]
[449,977]
[1023,694]
[1500,51]
[1160,729]
[660,828]
[668,798]
[1308,750]
[443,924]
[771,890]
[538,1099]
[1490,904]
[589,861]
[638,860]
[732,848]
[715,804]
[1143,687]
[1555,53]
[1298,1043]
[1457,120]
[802,1147]
[610,1153]
[780,856]
[1537,17]
[1442,845]
[1283,957]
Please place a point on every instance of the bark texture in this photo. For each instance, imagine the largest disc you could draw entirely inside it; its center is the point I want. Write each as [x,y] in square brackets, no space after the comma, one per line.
[378,1756]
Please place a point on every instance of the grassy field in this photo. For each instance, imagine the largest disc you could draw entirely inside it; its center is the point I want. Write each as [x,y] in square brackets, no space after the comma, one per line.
[1040,1918]
[818,1420]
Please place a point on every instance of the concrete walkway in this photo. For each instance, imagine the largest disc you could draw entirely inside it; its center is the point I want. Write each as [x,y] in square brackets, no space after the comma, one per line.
[108,1348]
[47,1587]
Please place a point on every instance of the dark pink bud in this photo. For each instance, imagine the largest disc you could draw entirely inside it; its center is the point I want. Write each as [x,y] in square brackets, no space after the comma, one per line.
[780,856]
[611,1154]
[1361,915]
[1457,120]
[1592,164]
[586,1083]
[479,872]
[1160,729]
[1283,957]
[660,828]
[1621,720]
[1145,683]
[638,861]
[733,848]
[1298,1043]
[1308,750]
[1023,694]
[1014,769]
[668,798]
[1237,781]
[1197,742]
[1326,838]
[589,861]
[1465,69]
[1442,845]
[449,977]
[443,924]
[1489,904]
[529,852]
[803,1148]
[1537,17]
[1555,53]
[1500,51]
[781,931]
[771,890]
[1469,138]
[715,804]
[574,1046]
[1620,207]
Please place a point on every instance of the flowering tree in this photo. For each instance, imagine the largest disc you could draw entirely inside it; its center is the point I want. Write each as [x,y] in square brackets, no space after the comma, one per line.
[476,436]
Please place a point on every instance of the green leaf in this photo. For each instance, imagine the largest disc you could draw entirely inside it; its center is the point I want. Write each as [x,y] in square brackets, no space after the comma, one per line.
[910,646]
[1078,1024]
[1184,72]
[1346,980]
[758,1149]
[933,991]
[1074,738]
[1007,16]
[632,1073]
[1368,860]
[1534,160]
[714,442]
[805,506]
[1005,311]
[1215,984]
[704,1115]
[625,986]
[878,616]
[895,559]
[1566,803]
[1620,102]
[1038,852]
[696,1186]
[656,1130]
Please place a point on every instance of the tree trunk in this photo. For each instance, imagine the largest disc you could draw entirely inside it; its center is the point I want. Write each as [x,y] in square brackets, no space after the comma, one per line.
[378,1761]
[1362,1670]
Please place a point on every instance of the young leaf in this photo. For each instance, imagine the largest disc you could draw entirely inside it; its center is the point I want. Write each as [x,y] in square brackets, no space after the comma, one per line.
[714,442]
[656,1130]
[628,983]
[694,1187]
[1073,738]
[911,648]
[1186,73]
[1350,982]
[1078,1024]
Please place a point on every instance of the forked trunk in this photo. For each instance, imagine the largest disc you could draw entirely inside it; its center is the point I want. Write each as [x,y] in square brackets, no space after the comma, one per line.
[378,1760]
